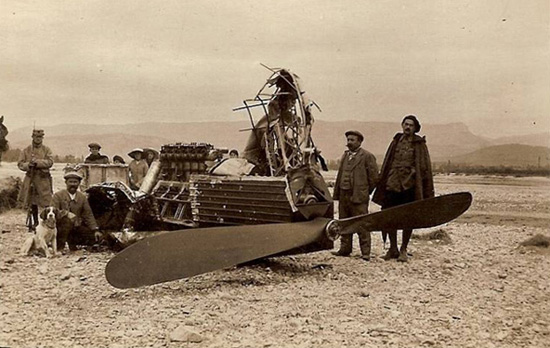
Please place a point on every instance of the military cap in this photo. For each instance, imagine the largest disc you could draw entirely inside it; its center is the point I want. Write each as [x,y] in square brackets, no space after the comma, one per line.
[92,145]
[37,132]
[72,175]
[134,151]
[356,133]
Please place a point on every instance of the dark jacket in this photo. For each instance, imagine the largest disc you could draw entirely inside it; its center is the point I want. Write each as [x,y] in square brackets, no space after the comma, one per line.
[424,186]
[81,208]
[99,159]
[363,178]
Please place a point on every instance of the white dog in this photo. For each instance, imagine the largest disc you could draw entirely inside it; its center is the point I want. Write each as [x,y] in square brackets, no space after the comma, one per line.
[46,234]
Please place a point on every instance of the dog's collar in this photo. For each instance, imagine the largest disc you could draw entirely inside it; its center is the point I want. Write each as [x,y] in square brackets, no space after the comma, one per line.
[46,222]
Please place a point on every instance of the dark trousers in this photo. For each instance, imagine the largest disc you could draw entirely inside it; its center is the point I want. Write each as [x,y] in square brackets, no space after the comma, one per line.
[346,209]
[393,199]
[67,232]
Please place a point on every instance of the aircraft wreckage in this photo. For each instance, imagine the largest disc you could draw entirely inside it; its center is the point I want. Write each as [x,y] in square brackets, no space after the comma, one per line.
[197,212]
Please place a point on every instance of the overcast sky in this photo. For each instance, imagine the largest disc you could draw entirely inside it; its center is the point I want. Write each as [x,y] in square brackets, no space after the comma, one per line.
[484,63]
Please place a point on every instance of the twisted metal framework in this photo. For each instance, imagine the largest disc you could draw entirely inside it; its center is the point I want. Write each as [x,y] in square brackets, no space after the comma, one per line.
[281,139]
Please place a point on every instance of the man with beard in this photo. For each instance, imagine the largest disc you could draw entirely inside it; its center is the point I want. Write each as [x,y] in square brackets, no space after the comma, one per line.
[95,157]
[406,177]
[76,223]
[36,160]
[356,179]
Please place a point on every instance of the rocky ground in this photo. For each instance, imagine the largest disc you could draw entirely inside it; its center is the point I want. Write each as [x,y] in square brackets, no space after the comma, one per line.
[481,289]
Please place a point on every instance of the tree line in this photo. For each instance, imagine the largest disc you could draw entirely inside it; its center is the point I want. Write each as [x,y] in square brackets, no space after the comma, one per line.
[456,168]
[12,155]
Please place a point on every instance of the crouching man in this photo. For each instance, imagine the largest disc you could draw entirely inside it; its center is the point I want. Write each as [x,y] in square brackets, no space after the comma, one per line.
[76,224]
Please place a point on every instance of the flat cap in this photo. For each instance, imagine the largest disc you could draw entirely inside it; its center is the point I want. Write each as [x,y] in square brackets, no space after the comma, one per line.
[118,158]
[92,145]
[357,133]
[37,132]
[72,175]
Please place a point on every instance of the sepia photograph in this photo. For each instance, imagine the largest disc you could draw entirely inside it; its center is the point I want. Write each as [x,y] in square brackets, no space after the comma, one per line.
[274,173]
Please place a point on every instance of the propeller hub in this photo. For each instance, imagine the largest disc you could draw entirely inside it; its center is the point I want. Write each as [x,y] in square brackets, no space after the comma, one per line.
[332,230]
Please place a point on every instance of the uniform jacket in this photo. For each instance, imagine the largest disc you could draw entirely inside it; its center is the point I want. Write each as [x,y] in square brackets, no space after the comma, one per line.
[41,180]
[80,207]
[424,186]
[363,178]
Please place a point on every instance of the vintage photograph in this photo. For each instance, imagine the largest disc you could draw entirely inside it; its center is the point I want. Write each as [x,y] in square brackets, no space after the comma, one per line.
[275,173]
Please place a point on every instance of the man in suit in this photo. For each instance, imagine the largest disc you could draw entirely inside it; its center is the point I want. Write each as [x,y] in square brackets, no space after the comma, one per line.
[356,179]
[36,192]
[406,177]
[76,224]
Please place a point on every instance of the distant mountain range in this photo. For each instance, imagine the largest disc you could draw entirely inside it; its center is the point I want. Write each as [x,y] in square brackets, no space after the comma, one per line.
[450,141]
[516,155]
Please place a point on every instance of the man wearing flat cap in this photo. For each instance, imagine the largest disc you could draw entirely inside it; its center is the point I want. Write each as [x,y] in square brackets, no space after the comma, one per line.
[95,157]
[356,179]
[36,160]
[138,168]
[406,176]
[76,224]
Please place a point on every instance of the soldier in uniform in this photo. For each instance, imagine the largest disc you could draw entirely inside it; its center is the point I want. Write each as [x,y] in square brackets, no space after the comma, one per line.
[406,177]
[356,179]
[138,168]
[36,160]
[95,157]
[75,223]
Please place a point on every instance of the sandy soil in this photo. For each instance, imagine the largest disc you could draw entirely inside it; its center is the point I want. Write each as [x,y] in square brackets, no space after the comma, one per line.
[483,289]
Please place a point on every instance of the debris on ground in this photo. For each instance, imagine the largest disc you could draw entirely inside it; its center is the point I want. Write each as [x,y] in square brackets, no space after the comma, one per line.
[439,235]
[538,240]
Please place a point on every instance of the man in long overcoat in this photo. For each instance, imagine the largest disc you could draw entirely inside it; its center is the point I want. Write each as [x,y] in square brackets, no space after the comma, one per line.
[406,176]
[355,181]
[36,192]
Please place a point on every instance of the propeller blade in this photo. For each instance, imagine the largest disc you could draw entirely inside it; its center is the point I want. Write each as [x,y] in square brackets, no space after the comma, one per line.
[419,214]
[185,253]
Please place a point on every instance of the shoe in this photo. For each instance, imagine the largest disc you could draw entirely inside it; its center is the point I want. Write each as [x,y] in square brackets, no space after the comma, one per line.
[403,256]
[365,257]
[340,253]
[390,255]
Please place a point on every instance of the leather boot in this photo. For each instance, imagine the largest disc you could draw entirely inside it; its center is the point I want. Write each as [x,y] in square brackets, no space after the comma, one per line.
[345,246]
[403,256]
[391,254]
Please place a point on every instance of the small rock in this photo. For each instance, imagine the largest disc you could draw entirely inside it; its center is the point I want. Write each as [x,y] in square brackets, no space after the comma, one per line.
[501,335]
[10,261]
[43,269]
[184,334]
[65,276]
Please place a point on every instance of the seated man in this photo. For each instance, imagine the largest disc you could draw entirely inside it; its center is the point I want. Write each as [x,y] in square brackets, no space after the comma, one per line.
[95,157]
[76,223]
